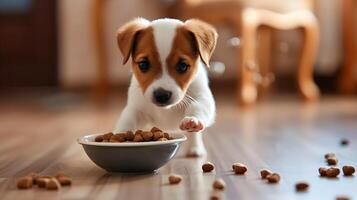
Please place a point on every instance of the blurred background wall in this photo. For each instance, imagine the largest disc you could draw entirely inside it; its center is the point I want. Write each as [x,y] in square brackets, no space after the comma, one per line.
[77,58]
[53,42]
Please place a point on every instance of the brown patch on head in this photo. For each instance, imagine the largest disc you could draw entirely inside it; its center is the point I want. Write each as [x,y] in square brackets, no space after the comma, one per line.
[194,40]
[126,36]
[145,49]
[183,50]
[137,40]
[205,38]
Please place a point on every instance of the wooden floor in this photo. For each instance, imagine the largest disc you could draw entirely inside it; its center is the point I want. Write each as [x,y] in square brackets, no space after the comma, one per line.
[281,134]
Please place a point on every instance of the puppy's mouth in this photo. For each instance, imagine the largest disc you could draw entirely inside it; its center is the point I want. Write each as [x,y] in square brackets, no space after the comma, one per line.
[165,105]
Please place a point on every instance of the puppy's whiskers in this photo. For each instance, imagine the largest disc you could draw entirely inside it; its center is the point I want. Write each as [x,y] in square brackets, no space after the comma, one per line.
[185,102]
[190,98]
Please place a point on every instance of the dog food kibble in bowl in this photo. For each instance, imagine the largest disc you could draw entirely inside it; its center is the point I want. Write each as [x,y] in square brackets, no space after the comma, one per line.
[155,134]
[133,150]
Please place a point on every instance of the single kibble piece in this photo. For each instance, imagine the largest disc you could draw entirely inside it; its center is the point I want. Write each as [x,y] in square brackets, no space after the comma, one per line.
[273,178]
[301,186]
[344,142]
[155,129]
[129,135]
[53,184]
[99,138]
[175,179]
[147,135]
[157,135]
[25,182]
[322,171]
[342,198]
[121,136]
[348,170]
[332,172]
[63,178]
[138,132]
[167,136]
[264,173]
[207,167]
[107,136]
[42,181]
[239,168]
[114,138]
[332,161]
[329,155]
[138,137]
[214,197]
[219,184]
[162,139]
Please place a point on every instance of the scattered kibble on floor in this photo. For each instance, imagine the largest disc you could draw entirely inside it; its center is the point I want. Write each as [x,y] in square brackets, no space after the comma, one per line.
[264,173]
[344,142]
[332,172]
[239,168]
[174,179]
[301,186]
[219,184]
[273,178]
[207,167]
[348,170]
[48,182]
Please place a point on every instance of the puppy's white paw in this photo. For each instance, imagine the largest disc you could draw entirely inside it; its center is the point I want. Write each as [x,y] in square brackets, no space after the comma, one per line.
[191,124]
[196,151]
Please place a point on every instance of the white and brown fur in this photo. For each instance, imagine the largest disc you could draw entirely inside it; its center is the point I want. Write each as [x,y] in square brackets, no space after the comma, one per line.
[163,42]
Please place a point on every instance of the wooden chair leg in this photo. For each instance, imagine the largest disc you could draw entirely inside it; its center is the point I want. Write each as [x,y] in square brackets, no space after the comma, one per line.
[347,81]
[264,57]
[251,20]
[101,85]
[306,84]
[248,89]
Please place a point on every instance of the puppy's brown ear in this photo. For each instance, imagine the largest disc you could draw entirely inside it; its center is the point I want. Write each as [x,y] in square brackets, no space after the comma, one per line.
[205,37]
[126,36]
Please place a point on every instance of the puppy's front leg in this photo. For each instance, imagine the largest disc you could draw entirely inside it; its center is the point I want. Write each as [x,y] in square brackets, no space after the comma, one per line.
[194,127]
[199,115]
[129,120]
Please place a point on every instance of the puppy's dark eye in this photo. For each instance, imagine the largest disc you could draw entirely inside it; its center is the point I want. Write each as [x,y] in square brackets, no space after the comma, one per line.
[181,67]
[144,65]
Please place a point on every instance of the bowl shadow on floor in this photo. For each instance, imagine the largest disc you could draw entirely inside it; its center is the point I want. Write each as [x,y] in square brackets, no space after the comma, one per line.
[119,177]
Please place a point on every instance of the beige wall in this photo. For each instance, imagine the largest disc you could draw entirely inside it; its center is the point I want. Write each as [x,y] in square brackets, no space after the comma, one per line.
[76,46]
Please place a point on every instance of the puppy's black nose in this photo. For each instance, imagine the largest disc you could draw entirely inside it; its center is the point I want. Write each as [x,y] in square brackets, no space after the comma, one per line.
[162,96]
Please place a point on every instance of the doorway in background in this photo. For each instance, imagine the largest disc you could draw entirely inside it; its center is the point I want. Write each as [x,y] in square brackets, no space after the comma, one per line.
[28,43]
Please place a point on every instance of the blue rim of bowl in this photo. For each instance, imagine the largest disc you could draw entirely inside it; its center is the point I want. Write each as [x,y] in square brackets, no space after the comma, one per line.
[178,137]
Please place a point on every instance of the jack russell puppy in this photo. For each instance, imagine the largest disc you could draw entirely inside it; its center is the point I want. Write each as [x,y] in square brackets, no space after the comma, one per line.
[169,88]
